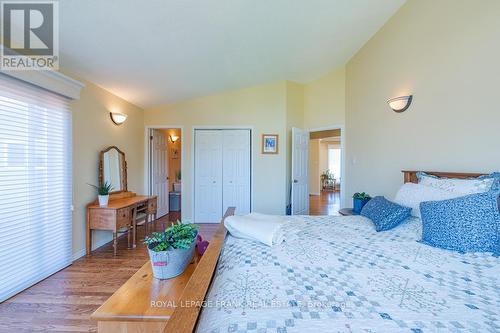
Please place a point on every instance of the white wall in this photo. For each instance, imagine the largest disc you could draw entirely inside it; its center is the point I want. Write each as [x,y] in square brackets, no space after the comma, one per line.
[264,109]
[324,100]
[93,131]
[323,157]
[314,174]
[446,53]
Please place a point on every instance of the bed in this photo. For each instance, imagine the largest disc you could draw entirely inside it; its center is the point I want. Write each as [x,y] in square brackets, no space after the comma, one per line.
[336,274]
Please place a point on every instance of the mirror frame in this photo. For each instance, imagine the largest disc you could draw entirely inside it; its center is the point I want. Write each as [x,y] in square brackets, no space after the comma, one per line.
[123,171]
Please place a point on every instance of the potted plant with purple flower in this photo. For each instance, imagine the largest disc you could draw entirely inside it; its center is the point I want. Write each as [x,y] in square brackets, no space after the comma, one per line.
[171,251]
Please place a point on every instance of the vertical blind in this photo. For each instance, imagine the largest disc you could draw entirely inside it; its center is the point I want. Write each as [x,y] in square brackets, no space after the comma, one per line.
[35,185]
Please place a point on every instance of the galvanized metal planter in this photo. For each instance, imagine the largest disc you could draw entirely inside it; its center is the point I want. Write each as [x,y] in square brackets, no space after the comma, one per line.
[169,264]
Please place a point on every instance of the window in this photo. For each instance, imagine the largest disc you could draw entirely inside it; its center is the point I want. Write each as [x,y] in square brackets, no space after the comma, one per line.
[334,162]
[35,185]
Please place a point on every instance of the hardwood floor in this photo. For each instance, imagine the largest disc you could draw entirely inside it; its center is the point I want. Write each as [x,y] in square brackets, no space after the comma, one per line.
[327,203]
[64,301]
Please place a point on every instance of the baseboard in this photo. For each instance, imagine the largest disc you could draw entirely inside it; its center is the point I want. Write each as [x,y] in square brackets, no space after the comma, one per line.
[77,255]
[82,252]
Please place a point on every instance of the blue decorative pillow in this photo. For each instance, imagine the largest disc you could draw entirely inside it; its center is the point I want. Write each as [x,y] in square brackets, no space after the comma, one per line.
[466,224]
[385,214]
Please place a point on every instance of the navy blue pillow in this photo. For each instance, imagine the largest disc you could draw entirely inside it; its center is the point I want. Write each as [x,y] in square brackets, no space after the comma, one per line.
[385,214]
[466,224]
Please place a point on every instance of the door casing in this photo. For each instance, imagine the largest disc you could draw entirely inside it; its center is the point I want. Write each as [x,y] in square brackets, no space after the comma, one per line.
[343,154]
[147,160]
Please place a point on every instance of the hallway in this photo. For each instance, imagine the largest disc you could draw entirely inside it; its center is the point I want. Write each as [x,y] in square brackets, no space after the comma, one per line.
[327,203]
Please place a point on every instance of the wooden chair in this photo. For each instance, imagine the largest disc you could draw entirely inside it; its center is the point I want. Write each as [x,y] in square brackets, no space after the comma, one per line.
[146,216]
[129,229]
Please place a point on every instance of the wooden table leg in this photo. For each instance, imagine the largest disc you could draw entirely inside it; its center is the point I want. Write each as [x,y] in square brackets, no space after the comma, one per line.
[115,243]
[89,234]
[129,230]
[134,223]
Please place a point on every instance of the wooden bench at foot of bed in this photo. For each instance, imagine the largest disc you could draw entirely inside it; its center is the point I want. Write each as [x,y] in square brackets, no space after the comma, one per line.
[145,304]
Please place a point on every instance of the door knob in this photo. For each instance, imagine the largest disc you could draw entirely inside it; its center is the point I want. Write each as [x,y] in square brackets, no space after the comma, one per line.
[295,181]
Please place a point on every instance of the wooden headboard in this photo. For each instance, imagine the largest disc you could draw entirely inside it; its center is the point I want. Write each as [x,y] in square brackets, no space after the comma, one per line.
[411,176]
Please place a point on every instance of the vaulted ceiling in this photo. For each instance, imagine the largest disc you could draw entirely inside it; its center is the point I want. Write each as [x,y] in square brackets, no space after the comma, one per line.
[162,51]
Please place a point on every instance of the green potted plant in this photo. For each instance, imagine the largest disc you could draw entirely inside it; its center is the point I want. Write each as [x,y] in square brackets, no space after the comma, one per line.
[178,175]
[171,251]
[103,191]
[327,179]
[358,201]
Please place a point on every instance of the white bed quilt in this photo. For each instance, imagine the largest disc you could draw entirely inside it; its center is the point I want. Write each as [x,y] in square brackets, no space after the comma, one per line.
[336,274]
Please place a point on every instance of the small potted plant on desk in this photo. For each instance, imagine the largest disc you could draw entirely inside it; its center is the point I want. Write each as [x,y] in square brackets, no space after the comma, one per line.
[171,251]
[358,201]
[103,191]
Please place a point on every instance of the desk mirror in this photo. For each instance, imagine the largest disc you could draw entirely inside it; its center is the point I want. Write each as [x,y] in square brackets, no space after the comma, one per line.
[113,168]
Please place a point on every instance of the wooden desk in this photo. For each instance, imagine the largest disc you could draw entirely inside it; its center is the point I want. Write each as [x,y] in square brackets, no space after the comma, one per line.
[120,212]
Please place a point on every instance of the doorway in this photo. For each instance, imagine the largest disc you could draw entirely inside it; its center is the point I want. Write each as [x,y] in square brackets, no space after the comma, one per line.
[317,170]
[326,171]
[164,165]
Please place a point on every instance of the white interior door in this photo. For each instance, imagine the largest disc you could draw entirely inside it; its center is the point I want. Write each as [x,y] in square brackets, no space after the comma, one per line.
[159,170]
[236,170]
[300,171]
[208,176]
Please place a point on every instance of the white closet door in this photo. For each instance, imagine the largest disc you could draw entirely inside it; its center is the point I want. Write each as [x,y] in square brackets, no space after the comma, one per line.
[208,176]
[236,170]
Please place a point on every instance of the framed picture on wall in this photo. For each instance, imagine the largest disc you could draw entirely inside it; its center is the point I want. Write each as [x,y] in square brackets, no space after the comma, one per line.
[269,143]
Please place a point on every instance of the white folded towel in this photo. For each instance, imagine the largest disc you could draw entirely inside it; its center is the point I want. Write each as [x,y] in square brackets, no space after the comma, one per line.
[266,229]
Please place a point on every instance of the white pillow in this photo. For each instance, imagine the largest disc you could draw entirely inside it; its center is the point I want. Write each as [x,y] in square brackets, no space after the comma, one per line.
[463,186]
[411,195]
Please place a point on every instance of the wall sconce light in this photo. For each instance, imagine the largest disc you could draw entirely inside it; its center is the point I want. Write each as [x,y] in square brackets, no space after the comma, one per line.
[118,118]
[174,138]
[401,103]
